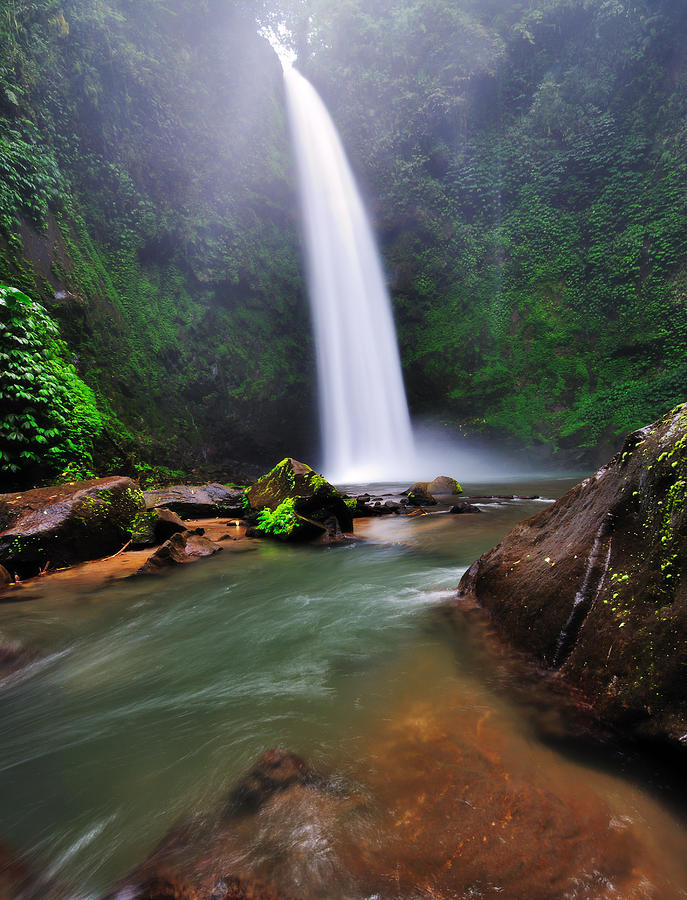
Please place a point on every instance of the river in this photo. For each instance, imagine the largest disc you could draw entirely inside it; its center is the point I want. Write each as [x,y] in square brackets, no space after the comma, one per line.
[153,697]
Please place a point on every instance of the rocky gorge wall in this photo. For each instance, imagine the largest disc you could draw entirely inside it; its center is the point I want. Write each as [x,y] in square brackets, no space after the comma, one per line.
[147,204]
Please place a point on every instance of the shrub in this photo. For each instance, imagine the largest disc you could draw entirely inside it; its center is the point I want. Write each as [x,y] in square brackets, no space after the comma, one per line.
[282,521]
[50,417]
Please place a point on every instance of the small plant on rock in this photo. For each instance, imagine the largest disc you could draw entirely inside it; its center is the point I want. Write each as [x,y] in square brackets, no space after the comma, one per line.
[280,521]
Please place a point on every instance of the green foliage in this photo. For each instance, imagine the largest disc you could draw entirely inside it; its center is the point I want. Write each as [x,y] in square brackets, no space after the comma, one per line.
[30,180]
[50,415]
[535,228]
[528,165]
[145,176]
[281,521]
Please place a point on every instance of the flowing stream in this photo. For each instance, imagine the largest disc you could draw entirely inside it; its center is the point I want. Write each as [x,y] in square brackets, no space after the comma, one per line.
[364,421]
[154,697]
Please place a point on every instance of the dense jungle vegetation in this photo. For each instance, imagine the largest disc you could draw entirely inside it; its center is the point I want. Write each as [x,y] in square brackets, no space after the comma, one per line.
[524,160]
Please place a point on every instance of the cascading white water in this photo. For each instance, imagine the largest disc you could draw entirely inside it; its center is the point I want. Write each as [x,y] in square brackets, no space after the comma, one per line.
[366,431]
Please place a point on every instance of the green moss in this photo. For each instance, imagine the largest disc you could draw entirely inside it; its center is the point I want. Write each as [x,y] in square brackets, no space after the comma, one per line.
[141,526]
[281,521]
[50,416]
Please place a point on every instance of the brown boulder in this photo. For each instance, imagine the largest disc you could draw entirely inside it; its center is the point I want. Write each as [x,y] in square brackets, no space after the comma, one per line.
[594,586]
[66,524]
[419,495]
[154,526]
[179,550]
[444,485]
[202,501]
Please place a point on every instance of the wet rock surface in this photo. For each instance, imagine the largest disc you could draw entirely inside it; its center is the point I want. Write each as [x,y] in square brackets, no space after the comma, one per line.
[14,656]
[197,501]
[418,495]
[154,527]
[317,505]
[275,771]
[204,858]
[464,507]
[179,550]
[594,587]
[66,524]
[444,484]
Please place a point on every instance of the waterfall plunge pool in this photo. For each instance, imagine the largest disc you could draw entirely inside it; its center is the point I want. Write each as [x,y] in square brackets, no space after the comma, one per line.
[154,697]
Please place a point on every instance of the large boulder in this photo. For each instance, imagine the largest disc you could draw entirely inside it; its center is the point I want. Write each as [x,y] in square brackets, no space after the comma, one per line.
[594,587]
[294,500]
[418,494]
[444,484]
[200,501]
[66,524]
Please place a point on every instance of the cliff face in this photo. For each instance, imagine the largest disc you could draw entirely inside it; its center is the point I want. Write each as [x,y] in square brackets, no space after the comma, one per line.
[526,168]
[147,203]
[595,587]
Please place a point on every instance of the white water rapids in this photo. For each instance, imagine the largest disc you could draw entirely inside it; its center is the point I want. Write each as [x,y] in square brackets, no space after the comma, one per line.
[366,431]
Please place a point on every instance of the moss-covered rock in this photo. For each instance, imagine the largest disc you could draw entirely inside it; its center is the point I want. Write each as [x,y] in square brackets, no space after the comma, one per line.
[154,526]
[294,502]
[419,495]
[595,586]
[65,524]
[444,484]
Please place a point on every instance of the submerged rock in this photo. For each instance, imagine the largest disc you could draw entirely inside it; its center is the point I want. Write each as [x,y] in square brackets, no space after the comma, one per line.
[595,586]
[19,882]
[14,656]
[160,885]
[202,501]
[66,524]
[293,502]
[179,550]
[190,863]
[275,771]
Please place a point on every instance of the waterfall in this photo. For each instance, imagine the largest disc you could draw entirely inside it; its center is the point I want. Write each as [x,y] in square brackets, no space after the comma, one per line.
[366,431]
